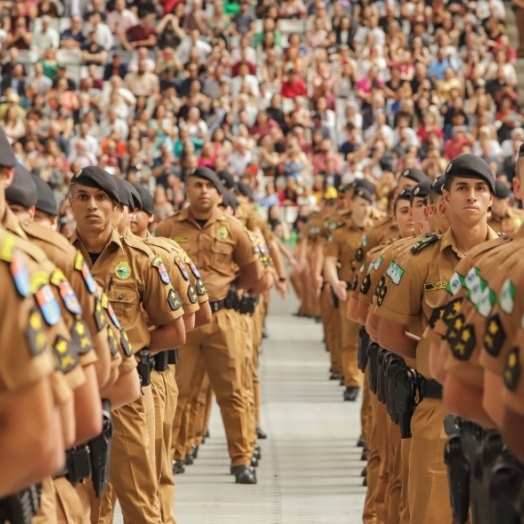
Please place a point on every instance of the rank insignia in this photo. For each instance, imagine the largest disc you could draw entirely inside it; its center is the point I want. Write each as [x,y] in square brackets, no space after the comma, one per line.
[511,372]
[80,265]
[380,285]
[436,315]
[111,340]
[123,270]
[182,267]
[36,337]
[191,294]
[455,329]
[359,255]
[65,358]
[452,309]
[45,299]
[162,271]
[20,275]
[174,301]
[494,335]
[382,295]
[201,287]
[191,264]
[462,347]
[366,284]
[125,343]
[81,337]
[222,233]
[99,315]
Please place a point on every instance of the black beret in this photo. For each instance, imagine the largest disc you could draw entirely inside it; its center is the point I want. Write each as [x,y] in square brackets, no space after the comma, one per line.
[470,166]
[136,199]
[22,190]
[437,184]
[124,195]
[244,190]
[501,189]
[46,201]
[366,184]
[422,190]
[148,202]
[98,178]
[209,175]
[226,179]
[415,174]
[362,192]
[405,194]
[7,157]
[229,200]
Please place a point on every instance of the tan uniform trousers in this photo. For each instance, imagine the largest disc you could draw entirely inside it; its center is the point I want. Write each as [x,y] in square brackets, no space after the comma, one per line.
[428,484]
[200,412]
[132,472]
[348,343]
[72,505]
[332,327]
[369,515]
[258,327]
[405,447]
[365,409]
[296,282]
[215,348]
[47,511]
[381,422]
[393,499]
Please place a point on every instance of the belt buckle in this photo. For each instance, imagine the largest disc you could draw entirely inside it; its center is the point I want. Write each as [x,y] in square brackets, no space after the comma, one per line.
[214,307]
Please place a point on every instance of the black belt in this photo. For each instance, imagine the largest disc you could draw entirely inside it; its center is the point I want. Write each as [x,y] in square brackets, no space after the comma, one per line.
[77,465]
[429,388]
[172,356]
[217,306]
[160,361]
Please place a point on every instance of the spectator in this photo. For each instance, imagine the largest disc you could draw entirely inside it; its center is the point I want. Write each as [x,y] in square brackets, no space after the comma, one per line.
[73,37]
[142,83]
[293,85]
[103,33]
[142,34]
[241,157]
[243,22]
[193,41]
[121,19]
[20,36]
[14,81]
[45,37]
[93,52]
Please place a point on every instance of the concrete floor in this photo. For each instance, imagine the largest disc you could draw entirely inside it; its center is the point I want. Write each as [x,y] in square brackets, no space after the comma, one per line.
[310,470]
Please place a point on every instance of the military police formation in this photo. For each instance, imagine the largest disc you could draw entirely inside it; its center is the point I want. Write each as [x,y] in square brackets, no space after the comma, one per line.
[423,312]
[115,342]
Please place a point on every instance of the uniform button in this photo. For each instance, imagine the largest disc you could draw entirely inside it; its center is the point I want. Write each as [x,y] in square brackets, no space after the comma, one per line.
[120,297]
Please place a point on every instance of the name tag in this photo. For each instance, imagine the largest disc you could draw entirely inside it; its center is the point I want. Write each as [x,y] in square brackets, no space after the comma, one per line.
[433,286]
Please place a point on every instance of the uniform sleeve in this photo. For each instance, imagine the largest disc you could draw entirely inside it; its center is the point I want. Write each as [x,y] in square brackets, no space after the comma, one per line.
[513,392]
[332,247]
[25,353]
[399,297]
[180,278]
[243,254]
[161,302]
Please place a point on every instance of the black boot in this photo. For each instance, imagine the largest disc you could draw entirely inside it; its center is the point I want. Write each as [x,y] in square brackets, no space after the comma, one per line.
[244,475]
[261,434]
[178,467]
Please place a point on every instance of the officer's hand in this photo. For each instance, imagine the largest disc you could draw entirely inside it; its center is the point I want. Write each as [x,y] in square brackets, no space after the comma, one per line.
[317,282]
[341,290]
[281,289]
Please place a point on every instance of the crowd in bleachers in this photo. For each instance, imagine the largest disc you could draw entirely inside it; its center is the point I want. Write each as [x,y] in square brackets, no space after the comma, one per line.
[294,97]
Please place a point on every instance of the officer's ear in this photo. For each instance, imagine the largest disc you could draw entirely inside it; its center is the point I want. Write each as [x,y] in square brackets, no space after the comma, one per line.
[151,219]
[7,174]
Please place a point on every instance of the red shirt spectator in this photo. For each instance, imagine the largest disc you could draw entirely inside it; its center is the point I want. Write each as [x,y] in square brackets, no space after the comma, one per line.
[453,146]
[293,86]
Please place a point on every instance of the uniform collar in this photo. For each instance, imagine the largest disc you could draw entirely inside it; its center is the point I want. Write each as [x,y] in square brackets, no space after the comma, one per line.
[216,216]
[12,224]
[113,239]
[448,240]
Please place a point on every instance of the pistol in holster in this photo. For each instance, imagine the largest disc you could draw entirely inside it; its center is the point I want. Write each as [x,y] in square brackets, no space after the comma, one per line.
[373,366]
[144,367]
[334,299]
[405,399]
[363,342]
[21,507]
[172,356]
[232,301]
[381,375]
[393,364]
[100,449]
[458,478]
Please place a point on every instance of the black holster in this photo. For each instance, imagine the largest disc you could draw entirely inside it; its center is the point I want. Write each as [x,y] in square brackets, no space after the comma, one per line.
[161,361]
[334,299]
[21,507]
[381,375]
[78,464]
[392,364]
[172,356]
[247,304]
[363,342]
[405,393]
[373,366]
[232,301]
[100,450]
[144,367]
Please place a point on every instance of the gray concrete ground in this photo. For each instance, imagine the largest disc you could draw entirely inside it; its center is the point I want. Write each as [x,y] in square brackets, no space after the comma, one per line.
[310,470]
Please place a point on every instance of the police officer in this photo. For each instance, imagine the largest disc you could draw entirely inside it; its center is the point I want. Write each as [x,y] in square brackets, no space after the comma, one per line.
[125,273]
[216,242]
[504,218]
[406,302]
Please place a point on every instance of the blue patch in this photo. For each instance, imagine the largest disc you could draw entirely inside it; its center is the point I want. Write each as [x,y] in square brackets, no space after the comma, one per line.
[69,298]
[20,275]
[183,270]
[112,316]
[88,278]
[162,271]
[48,305]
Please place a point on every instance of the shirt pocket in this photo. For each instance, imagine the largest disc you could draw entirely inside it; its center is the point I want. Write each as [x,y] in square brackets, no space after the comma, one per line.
[125,301]
[222,254]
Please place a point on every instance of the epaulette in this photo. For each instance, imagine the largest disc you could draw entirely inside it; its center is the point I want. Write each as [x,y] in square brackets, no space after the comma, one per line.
[421,244]
[137,243]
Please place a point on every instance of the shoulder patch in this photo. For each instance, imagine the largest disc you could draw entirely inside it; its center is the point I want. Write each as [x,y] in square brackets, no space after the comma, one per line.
[69,297]
[7,247]
[80,265]
[462,347]
[494,335]
[81,337]
[201,287]
[191,264]
[20,275]
[359,254]
[181,267]
[507,297]
[36,337]
[421,244]
[395,273]
[173,299]
[125,343]
[511,372]
[99,315]
[191,294]
[365,285]
[162,271]
[111,340]
[65,357]
[45,298]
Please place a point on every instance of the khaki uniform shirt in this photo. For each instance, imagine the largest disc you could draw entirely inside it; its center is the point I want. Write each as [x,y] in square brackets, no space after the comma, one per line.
[508,224]
[131,278]
[411,293]
[217,247]
[342,245]
[253,221]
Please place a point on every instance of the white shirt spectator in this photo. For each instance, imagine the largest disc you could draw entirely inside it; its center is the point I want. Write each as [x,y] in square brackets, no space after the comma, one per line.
[411,136]
[238,82]
[185,47]
[104,34]
[387,133]
[89,144]
[110,124]
[362,33]
[483,9]
[121,22]
[45,37]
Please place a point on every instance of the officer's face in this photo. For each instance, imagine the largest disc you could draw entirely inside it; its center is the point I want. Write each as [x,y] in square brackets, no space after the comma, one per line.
[202,195]
[404,218]
[92,208]
[468,200]
[499,207]
[518,181]
[361,210]
[139,222]
[419,219]
[23,214]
